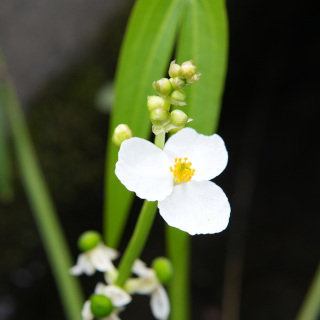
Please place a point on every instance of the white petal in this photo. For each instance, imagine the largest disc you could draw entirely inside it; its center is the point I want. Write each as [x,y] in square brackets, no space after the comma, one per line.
[140,268]
[118,296]
[197,207]
[207,154]
[84,265]
[101,260]
[145,169]
[86,311]
[143,285]
[159,303]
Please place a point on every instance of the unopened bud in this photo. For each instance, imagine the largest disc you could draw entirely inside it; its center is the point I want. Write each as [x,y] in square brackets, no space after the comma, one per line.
[100,305]
[187,70]
[88,240]
[178,118]
[159,117]
[163,86]
[155,102]
[177,83]
[178,95]
[163,269]
[173,69]
[194,78]
[121,132]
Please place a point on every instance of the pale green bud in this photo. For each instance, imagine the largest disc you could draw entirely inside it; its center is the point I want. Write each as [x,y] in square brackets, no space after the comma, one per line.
[121,132]
[155,102]
[163,86]
[178,118]
[194,78]
[159,117]
[178,95]
[177,83]
[173,69]
[89,240]
[163,269]
[100,305]
[187,70]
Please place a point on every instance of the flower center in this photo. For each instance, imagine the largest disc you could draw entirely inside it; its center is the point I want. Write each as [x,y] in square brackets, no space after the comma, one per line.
[182,171]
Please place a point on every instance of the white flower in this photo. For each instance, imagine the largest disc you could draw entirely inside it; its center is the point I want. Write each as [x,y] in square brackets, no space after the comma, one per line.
[177,177]
[99,258]
[118,297]
[148,283]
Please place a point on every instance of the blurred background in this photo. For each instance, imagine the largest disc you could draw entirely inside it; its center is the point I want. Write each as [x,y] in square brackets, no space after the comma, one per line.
[62,57]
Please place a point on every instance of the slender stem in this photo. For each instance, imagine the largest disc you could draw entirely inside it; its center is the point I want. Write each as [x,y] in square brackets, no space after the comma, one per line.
[42,206]
[141,231]
[137,241]
[310,309]
[178,248]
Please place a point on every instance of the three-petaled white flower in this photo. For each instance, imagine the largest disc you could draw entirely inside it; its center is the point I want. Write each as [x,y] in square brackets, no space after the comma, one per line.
[99,258]
[148,283]
[118,297]
[177,177]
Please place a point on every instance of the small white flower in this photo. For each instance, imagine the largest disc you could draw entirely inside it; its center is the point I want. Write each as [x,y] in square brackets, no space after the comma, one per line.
[148,283]
[177,177]
[118,297]
[99,258]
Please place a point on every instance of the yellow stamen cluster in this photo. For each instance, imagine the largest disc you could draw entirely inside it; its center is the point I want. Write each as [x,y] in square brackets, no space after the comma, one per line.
[182,171]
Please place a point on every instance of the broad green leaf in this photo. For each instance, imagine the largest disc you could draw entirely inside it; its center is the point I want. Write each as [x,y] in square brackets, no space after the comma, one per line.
[204,39]
[144,58]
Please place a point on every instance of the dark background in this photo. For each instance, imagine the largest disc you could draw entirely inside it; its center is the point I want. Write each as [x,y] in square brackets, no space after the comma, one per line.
[269,121]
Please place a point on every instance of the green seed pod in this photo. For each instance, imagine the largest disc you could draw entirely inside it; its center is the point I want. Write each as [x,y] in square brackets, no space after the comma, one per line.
[178,118]
[101,306]
[163,87]
[177,83]
[121,132]
[163,269]
[155,102]
[187,70]
[88,240]
[178,95]
[159,117]
[173,69]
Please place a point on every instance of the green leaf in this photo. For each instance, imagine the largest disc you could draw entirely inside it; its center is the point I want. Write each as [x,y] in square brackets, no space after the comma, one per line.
[204,39]
[145,56]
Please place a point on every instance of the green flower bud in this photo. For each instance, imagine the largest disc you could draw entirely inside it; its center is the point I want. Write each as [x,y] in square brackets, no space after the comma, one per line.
[155,102]
[88,240]
[101,306]
[177,83]
[178,95]
[178,118]
[163,269]
[159,117]
[194,78]
[163,87]
[173,69]
[187,70]
[121,132]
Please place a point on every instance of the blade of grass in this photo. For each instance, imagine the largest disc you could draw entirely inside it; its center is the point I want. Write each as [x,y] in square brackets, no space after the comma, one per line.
[204,39]
[145,56]
[38,195]
[6,188]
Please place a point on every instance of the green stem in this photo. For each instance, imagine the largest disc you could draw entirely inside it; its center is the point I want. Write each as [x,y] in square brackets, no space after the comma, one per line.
[310,309]
[42,206]
[137,241]
[178,248]
[141,231]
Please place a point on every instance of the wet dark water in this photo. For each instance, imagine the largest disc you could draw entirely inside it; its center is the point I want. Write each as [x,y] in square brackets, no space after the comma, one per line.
[269,123]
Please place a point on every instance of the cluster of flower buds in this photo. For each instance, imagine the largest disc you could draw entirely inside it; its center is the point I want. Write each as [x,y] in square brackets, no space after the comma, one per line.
[170,92]
[108,300]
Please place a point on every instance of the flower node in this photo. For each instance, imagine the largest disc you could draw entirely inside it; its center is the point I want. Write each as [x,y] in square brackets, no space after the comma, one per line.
[182,171]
